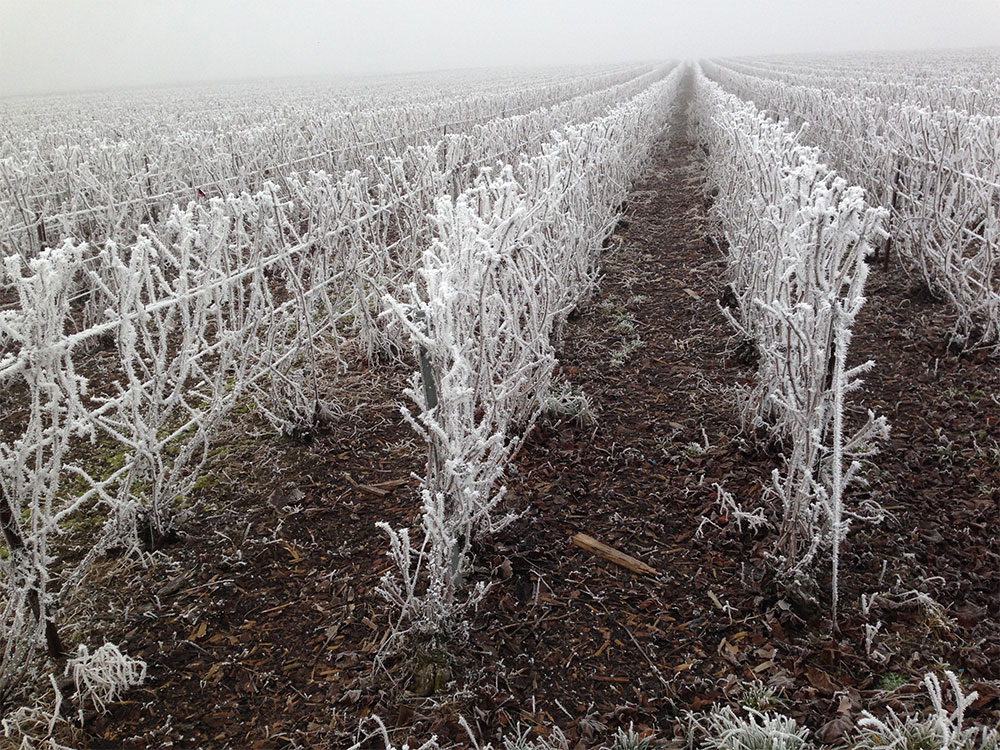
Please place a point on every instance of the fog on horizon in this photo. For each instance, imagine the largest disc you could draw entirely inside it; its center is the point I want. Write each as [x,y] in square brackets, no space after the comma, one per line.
[51,46]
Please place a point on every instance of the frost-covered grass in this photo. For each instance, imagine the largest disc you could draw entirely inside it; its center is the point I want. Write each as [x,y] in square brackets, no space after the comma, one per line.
[102,676]
[563,401]
[727,729]
[750,728]
[942,729]
[757,720]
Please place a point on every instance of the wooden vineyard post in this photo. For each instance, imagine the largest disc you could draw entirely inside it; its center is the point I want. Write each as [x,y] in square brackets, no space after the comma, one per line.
[17,548]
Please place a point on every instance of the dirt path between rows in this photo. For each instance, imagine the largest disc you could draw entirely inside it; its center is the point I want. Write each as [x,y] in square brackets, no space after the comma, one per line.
[261,633]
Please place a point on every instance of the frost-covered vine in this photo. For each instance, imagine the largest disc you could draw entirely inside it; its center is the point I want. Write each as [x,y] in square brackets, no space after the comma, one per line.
[930,155]
[512,256]
[797,238]
[180,306]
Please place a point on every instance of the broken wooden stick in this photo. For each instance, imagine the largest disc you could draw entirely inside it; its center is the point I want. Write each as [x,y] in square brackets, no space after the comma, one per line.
[391,483]
[612,555]
[374,489]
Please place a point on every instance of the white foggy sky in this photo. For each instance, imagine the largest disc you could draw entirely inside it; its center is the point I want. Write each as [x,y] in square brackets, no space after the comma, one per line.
[65,45]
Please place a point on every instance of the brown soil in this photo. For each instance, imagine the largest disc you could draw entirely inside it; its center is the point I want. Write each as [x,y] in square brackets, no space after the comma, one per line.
[260,626]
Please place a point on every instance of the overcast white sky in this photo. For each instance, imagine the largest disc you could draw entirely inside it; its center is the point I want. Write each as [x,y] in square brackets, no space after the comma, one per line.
[60,45]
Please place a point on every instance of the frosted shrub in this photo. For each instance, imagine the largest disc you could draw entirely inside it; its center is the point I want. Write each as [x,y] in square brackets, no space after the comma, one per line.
[482,338]
[297,341]
[804,329]
[509,261]
[176,359]
[32,355]
[798,237]
[349,256]
[257,292]
[286,287]
[935,168]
